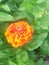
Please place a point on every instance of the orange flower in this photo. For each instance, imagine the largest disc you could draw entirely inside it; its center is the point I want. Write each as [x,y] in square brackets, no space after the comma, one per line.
[19,33]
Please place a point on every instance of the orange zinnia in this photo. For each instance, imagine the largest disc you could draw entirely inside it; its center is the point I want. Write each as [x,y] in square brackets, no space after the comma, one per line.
[19,33]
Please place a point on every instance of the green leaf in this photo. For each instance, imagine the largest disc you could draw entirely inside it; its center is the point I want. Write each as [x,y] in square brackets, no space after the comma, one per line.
[48,37]
[40,1]
[1,42]
[34,8]
[30,62]
[18,2]
[5,17]
[3,1]
[38,11]
[36,41]
[44,22]
[0,0]
[11,63]
[33,55]
[44,48]
[26,5]
[21,57]
[47,7]
[21,15]
[3,54]
[13,8]
[40,62]
[6,7]
[3,63]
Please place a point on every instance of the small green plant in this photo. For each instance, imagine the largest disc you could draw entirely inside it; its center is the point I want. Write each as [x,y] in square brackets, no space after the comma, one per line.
[36,13]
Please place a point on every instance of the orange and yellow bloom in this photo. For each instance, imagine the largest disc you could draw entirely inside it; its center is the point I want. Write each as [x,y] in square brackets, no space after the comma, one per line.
[19,33]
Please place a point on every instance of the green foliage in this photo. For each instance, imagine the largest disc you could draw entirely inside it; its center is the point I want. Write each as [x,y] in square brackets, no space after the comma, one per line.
[40,62]
[23,58]
[36,12]
[1,42]
[5,17]
[36,41]
[33,55]
[45,49]
[11,63]
[44,22]
[2,55]
[5,7]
